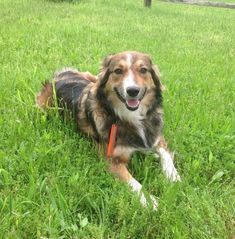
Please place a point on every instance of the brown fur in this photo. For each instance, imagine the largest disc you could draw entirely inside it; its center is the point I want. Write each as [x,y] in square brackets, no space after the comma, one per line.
[44,98]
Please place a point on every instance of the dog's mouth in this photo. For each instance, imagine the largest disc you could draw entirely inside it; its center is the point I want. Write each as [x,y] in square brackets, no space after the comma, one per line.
[132,103]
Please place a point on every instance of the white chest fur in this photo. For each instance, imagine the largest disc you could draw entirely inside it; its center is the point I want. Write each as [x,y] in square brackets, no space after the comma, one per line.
[135,118]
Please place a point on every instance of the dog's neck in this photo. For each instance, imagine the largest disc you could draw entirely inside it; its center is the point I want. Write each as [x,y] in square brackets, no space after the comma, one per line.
[132,117]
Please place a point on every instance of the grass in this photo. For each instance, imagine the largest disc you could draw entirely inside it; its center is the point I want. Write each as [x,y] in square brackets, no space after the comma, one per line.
[53,183]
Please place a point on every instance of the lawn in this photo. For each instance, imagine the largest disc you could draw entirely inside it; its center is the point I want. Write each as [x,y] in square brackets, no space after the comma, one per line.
[53,184]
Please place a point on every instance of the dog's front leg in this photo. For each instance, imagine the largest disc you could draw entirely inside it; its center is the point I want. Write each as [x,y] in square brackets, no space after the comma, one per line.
[120,170]
[167,161]
[118,166]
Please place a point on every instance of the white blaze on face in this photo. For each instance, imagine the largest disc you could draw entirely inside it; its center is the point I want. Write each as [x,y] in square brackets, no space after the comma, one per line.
[129,59]
[129,81]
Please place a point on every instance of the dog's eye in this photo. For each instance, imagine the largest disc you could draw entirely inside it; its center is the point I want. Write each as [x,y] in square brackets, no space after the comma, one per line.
[143,70]
[118,71]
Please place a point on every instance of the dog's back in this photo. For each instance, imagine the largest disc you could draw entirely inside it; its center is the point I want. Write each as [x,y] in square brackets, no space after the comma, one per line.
[67,86]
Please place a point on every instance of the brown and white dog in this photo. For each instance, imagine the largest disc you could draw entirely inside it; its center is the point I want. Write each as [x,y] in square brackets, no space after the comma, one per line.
[128,94]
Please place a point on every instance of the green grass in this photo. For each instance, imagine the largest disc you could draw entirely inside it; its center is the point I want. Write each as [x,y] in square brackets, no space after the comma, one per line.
[53,183]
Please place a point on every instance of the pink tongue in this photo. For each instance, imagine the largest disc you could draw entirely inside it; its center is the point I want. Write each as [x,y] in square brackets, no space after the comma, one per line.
[133,103]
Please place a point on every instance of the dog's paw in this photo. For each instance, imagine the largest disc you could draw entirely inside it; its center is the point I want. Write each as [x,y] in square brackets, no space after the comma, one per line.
[172,175]
[152,202]
[136,187]
[143,200]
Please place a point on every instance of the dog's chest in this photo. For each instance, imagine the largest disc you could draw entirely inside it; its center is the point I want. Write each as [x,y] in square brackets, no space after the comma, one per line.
[139,134]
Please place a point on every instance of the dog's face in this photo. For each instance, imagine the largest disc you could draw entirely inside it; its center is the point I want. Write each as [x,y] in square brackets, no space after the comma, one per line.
[129,79]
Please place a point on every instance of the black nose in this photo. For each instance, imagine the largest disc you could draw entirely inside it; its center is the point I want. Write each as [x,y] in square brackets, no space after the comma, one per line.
[133,91]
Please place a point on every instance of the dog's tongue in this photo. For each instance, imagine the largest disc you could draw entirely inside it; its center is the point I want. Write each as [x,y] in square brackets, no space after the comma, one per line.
[133,103]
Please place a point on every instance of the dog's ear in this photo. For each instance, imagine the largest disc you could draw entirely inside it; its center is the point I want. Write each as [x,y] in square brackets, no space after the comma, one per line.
[104,71]
[156,77]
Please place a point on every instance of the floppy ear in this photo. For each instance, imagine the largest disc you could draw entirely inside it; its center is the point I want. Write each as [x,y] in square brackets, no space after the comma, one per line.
[156,77]
[104,71]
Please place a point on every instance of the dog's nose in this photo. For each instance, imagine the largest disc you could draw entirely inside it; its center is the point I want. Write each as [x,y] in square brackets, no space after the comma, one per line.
[133,91]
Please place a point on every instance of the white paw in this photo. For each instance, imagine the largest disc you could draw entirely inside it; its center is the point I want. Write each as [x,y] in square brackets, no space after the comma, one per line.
[136,187]
[143,200]
[154,202]
[145,203]
[172,174]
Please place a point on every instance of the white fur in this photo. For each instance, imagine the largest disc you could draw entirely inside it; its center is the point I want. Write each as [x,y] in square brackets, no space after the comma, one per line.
[134,117]
[136,187]
[156,142]
[168,165]
[129,81]
[154,202]
[141,133]
[131,116]
[129,59]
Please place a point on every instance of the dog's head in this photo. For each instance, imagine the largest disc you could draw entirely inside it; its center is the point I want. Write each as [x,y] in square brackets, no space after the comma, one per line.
[130,80]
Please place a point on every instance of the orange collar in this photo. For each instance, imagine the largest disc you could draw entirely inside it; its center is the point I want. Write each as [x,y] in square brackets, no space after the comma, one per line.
[112,140]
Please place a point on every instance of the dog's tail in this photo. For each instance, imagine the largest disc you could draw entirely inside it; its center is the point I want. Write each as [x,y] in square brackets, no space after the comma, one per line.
[45,97]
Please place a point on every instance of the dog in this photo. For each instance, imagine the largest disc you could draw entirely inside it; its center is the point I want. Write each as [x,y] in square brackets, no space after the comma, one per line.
[121,108]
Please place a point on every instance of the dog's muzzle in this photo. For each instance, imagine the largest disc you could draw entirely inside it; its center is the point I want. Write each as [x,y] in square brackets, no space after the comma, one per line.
[134,95]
